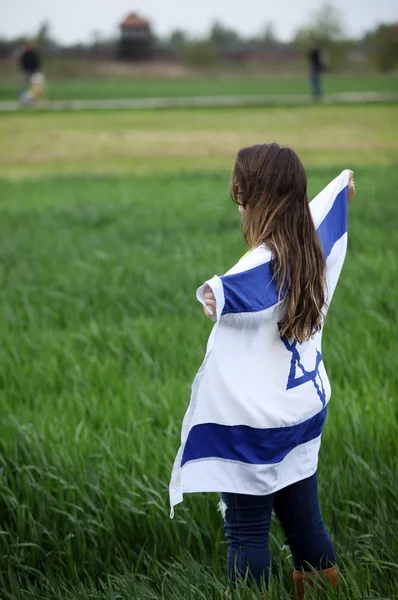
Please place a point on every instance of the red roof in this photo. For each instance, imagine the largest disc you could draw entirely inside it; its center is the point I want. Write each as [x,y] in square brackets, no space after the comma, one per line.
[132,21]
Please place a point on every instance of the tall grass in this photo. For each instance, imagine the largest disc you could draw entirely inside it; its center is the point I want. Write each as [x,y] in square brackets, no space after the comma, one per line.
[101,337]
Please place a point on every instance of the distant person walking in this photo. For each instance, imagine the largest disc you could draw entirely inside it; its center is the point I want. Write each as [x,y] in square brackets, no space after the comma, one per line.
[317,67]
[30,63]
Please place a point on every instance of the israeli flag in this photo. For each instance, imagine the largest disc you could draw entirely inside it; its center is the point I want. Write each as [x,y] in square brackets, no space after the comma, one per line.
[259,402]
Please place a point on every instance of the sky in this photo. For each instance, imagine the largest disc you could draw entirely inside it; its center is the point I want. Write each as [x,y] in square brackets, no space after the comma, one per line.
[76,20]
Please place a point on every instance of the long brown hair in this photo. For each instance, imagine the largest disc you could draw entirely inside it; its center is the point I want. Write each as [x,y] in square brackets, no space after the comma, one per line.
[271,184]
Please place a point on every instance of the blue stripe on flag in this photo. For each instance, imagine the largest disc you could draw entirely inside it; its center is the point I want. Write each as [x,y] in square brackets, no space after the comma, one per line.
[334,225]
[249,291]
[255,290]
[249,444]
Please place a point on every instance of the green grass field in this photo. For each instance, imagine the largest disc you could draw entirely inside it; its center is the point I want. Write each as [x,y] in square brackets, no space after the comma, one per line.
[102,335]
[205,85]
[192,139]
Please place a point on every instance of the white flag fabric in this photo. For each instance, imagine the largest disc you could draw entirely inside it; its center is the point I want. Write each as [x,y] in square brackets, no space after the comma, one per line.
[259,401]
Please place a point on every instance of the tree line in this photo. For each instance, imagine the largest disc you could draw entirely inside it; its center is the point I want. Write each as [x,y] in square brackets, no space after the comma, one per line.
[326,25]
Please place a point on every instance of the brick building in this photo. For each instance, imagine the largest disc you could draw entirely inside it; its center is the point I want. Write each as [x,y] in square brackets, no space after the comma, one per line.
[135,38]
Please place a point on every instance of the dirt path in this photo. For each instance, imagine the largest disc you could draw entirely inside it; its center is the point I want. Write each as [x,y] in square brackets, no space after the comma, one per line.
[204,101]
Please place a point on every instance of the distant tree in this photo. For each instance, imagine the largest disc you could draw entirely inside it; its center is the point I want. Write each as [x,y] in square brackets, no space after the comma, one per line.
[223,37]
[178,39]
[383,43]
[12,47]
[269,35]
[326,25]
[328,22]
[43,37]
[96,36]
[202,54]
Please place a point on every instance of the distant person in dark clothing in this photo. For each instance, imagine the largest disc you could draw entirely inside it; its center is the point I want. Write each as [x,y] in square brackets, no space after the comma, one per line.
[30,61]
[317,66]
[32,79]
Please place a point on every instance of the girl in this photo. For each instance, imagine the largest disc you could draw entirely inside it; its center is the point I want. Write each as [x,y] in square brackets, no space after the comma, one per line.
[259,401]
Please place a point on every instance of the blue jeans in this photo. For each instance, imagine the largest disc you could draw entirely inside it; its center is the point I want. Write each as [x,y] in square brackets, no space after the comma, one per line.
[247,523]
[315,78]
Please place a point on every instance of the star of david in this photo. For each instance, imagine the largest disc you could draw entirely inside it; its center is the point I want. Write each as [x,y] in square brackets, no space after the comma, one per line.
[295,364]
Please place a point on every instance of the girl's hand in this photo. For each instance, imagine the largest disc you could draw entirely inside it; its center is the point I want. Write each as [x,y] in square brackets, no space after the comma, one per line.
[351,186]
[210,308]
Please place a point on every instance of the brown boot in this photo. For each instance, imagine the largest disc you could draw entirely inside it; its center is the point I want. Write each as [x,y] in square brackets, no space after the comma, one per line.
[303,579]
